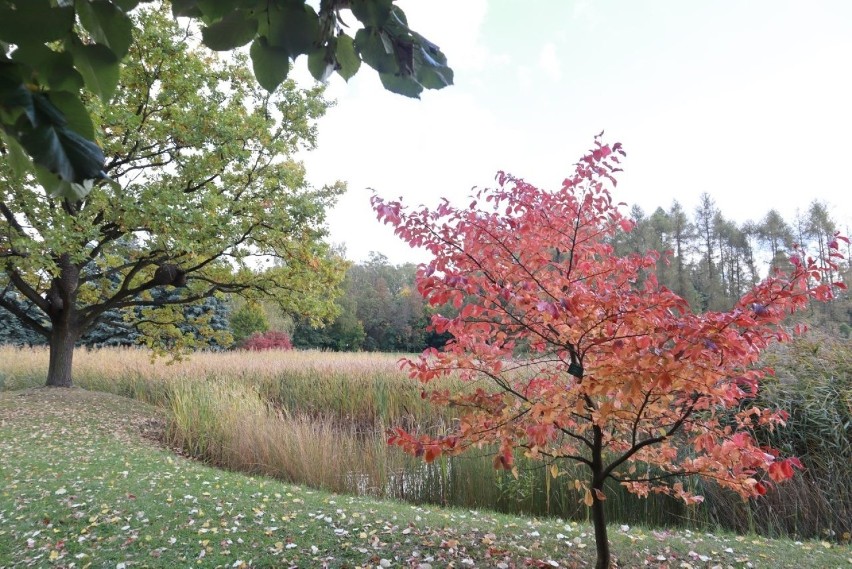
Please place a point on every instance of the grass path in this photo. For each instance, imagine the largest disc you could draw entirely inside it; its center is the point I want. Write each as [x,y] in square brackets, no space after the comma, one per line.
[84,483]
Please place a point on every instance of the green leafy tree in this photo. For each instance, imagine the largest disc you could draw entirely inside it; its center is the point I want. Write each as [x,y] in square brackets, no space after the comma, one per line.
[249,319]
[388,305]
[51,49]
[344,334]
[205,185]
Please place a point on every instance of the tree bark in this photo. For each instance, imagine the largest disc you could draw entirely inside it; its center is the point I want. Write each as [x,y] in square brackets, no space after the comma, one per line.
[598,514]
[601,539]
[61,355]
[62,297]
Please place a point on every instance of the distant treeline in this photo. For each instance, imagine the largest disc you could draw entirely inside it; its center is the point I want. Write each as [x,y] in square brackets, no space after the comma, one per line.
[708,259]
[380,311]
[713,260]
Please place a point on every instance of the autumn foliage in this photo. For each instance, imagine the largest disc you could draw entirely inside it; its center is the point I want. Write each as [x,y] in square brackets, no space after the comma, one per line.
[270,340]
[574,353]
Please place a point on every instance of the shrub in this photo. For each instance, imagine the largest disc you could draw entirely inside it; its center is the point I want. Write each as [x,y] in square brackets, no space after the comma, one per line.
[268,341]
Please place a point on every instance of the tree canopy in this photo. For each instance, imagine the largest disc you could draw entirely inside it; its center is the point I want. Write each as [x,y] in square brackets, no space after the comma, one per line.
[50,50]
[205,192]
[576,353]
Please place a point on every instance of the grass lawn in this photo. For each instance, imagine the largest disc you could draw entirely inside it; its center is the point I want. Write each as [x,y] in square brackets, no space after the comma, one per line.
[84,482]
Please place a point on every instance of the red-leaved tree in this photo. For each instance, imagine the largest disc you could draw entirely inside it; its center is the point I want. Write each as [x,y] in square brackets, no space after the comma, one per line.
[577,354]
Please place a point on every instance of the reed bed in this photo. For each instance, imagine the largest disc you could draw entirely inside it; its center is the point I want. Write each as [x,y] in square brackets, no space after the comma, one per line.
[363,388]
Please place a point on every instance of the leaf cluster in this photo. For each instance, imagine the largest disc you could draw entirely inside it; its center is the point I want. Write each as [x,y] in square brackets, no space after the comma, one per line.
[51,51]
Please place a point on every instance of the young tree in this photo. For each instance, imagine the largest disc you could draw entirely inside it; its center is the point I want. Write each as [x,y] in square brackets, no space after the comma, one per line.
[207,185]
[572,356]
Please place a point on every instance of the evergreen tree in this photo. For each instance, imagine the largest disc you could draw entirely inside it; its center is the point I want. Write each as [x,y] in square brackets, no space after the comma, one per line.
[706,278]
[775,234]
[12,329]
[683,232]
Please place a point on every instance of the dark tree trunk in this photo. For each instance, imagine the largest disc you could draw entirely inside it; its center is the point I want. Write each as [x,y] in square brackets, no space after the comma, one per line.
[61,355]
[601,539]
[598,514]
[62,297]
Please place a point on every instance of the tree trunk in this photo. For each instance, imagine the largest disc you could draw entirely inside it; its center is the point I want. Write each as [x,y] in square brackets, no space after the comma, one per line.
[598,514]
[601,539]
[62,297]
[61,355]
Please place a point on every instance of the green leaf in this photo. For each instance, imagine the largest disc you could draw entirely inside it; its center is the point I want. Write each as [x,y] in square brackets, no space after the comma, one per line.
[15,98]
[434,77]
[107,24]
[213,10]
[387,42]
[372,12]
[293,27]
[55,147]
[98,65]
[39,22]
[270,64]
[429,50]
[398,16]
[53,68]
[401,85]
[186,9]
[51,183]
[15,155]
[55,187]
[369,43]
[74,111]
[127,5]
[319,65]
[234,30]
[347,58]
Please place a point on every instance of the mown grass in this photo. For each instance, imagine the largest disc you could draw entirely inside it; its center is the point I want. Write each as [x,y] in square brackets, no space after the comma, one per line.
[82,487]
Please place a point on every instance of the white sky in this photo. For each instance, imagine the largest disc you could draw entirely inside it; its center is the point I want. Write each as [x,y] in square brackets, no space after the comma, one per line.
[748,101]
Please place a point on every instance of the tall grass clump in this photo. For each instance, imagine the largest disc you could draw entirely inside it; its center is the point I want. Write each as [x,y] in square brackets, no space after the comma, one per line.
[205,419]
[230,425]
[813,383]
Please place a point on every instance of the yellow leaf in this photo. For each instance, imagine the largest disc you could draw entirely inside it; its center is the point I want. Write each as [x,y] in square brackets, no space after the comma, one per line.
[588,500]
[515,472]
[554,470]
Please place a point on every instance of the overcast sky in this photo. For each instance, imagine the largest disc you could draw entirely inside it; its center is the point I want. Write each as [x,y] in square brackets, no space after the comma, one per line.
[748,101]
